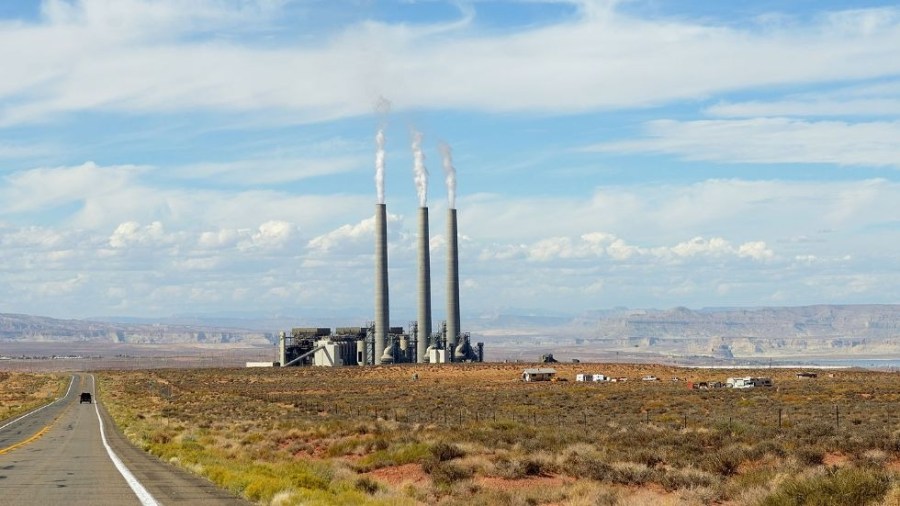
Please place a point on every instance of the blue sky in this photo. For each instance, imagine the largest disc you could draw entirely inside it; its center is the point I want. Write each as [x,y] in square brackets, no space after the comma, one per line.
[217,156]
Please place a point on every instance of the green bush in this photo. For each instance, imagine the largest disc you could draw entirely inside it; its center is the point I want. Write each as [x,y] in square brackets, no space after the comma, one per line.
[443,452]
[847,486]
[445,473]
[724,462]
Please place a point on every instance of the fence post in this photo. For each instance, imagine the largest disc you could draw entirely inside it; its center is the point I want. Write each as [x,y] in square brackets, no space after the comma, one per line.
[779,418]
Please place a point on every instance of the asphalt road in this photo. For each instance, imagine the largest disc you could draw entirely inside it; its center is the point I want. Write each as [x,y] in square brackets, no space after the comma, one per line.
[57,455]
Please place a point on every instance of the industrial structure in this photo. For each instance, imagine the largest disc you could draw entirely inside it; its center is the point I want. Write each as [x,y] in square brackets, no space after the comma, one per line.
[378,342]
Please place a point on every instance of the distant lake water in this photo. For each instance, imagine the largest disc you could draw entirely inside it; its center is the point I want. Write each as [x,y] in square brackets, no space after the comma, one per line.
[868,363]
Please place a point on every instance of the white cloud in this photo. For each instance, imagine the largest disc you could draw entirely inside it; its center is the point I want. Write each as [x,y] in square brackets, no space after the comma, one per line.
[97,197]
[164,56]
[50,187]
[270,235]
[354,238]
[219,239]
[769,140]
[809,107]
[352,234]
[756,250]
[131,233]
[599,245]
[867,99]
[269,171]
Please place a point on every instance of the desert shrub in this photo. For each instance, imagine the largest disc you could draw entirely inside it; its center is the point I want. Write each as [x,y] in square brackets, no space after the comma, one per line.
[891,443]
[263,487]
[687,477]
[846,486]
[345,446]
[765,447]
[445,473]
[367,485]
[650,458]
[872,458]
[724,462]
[443,452]
[631,473]
[396,456]
[515,468]
[815,430]
[810,455]
[607,498]
[586,466]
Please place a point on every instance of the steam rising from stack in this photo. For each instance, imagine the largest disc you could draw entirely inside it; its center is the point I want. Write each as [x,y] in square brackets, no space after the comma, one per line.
[450,173]
[379,165]
[382,107]
[420,173]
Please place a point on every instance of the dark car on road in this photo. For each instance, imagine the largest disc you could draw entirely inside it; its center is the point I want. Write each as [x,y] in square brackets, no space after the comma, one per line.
[85,397]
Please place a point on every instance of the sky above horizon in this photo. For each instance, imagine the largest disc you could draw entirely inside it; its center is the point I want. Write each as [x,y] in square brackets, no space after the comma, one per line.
[218,156]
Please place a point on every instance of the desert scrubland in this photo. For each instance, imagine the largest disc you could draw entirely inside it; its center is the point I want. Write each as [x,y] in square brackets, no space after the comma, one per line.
[475,434]
[21,392]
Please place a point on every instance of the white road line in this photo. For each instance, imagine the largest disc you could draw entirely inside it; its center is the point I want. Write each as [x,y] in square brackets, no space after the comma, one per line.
[138,489]
[72,382]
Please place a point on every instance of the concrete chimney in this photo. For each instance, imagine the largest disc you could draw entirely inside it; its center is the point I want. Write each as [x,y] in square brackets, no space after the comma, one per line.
[424,322]
[452,281]
[382,305]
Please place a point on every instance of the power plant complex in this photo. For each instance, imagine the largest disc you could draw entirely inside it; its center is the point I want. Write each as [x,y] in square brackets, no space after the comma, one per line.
[378,342]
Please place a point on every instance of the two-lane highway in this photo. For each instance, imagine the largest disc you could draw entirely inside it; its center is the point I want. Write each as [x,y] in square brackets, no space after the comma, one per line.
[71,453]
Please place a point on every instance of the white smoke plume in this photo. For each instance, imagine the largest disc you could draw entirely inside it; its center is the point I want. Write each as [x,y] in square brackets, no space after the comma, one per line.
[420,173]
[450,172]
[379,164]
[382,107]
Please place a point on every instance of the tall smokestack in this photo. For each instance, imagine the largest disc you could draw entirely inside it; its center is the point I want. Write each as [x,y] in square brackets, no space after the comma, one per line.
[382,306]
[424,286]
[452,281]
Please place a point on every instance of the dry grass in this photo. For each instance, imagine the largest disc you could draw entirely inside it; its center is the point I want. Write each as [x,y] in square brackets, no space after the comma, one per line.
[21,392]
[474,434]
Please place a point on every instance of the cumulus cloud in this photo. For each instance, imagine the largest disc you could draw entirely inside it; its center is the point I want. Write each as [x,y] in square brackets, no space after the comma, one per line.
[599,245]
[344,235]
[350,237]
[270,235]
[131,233]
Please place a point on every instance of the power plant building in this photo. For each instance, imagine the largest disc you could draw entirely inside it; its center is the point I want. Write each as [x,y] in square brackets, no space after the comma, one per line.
[377,342]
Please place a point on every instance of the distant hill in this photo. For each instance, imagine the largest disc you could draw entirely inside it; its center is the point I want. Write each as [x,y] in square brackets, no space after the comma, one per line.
[26,328]
[822,330]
